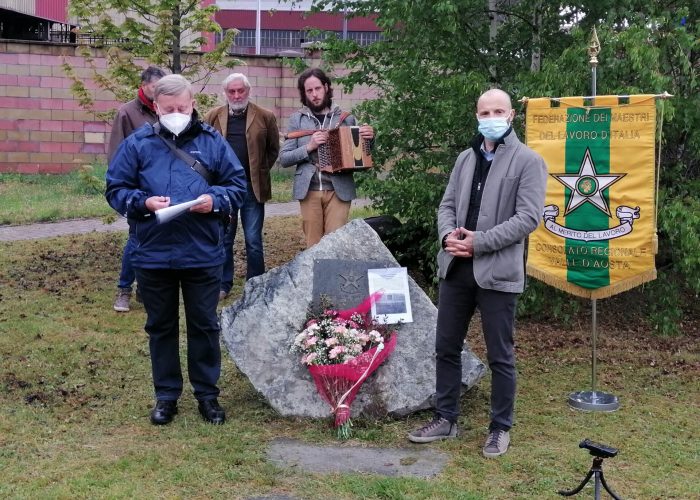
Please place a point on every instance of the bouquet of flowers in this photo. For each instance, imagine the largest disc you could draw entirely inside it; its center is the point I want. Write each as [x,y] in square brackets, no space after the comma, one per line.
[341,349]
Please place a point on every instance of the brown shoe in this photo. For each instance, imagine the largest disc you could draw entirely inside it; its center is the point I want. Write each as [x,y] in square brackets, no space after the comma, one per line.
[121,302]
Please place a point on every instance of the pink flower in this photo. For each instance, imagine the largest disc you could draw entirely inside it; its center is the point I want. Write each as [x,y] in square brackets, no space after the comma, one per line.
[335,351]
[310,341]
[308,359]
[331,341]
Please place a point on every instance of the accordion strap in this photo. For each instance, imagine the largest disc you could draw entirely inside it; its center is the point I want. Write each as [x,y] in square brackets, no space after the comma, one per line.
[296,134]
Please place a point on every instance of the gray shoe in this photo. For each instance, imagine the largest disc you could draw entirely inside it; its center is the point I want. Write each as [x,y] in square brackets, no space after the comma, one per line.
[496,444]
[121,303]
[438,428]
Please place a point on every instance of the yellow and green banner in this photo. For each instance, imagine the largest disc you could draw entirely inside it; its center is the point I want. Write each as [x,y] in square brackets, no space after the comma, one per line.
[598,234]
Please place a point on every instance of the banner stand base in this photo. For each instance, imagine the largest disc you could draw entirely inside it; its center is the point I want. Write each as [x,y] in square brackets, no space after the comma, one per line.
[593,401]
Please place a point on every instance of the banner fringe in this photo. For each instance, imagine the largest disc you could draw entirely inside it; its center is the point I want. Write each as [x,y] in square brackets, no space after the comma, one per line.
[586,293]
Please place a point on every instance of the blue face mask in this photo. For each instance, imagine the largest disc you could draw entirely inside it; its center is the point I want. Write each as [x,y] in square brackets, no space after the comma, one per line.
[493,128]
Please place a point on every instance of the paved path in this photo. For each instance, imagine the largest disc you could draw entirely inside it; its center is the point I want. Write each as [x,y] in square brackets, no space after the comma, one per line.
[81,226]
[410,461]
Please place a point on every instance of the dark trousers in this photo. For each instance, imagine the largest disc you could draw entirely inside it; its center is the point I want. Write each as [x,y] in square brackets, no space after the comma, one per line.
[160,290]
[459,297]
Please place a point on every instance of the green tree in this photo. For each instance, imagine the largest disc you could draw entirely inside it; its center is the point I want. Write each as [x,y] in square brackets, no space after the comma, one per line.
[437,56]
[164,33]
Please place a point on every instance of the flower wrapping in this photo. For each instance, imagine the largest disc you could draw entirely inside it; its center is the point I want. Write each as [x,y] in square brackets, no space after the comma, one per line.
[339,384]
[341,349]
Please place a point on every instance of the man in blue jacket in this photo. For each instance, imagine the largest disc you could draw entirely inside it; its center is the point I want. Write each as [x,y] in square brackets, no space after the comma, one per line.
[186,252]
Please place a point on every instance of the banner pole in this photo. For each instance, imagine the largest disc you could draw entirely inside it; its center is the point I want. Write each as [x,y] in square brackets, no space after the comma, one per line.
[593,400]
[594,337]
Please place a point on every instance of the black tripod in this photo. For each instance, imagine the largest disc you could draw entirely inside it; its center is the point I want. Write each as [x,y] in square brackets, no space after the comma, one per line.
[599,452]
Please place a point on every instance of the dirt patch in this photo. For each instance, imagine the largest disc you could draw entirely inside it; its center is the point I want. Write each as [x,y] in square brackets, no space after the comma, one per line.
[623,335]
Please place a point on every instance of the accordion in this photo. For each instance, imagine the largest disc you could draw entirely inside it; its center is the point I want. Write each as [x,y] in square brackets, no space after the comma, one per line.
[345,151]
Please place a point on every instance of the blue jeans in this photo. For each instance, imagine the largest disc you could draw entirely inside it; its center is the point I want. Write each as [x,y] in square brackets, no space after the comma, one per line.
[127,274]
[160,289]
[252,218]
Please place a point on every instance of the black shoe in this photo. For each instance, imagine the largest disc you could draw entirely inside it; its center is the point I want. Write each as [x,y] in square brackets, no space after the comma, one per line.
[212,412]
[163,412]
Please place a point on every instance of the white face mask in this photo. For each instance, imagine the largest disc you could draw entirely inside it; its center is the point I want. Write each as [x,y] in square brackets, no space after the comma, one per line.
[175,122]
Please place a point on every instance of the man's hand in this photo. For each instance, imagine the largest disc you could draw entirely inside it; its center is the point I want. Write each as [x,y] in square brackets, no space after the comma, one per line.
[366,132]
[460,243]
[204,207]
[319,137]
[154,203]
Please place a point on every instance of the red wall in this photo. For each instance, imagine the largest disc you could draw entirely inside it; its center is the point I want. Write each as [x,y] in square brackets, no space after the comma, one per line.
[56,10]
[288,20]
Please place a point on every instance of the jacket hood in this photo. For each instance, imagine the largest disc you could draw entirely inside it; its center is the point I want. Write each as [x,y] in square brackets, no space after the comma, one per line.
[335,111]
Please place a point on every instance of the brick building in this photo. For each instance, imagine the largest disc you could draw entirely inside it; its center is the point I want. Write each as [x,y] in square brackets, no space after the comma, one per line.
[43,128]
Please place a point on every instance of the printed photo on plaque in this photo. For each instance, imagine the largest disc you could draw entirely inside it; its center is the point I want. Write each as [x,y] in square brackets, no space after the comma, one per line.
[394,305]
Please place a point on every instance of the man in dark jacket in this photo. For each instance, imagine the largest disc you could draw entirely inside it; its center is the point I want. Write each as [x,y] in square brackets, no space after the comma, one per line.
[252,133]
[185,252]
[129,117]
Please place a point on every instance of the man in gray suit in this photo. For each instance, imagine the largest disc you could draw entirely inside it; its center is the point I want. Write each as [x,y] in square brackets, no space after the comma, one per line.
[493,201]
[324,198]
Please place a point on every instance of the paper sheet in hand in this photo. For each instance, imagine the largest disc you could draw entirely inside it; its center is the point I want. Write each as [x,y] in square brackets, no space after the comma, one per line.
[395,303]
[169,213]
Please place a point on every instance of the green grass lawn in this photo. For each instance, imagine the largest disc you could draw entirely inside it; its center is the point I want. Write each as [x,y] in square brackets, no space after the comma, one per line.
[75,393]
[42,198]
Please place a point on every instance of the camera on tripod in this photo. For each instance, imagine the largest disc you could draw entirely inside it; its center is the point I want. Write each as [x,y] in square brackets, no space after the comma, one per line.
[599,452]
[597,449]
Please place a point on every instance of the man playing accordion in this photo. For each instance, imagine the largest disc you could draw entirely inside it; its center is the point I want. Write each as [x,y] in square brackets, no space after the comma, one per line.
[324,198]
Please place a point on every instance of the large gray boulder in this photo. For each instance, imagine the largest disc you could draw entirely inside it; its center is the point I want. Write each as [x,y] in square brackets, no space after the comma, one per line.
[258,331]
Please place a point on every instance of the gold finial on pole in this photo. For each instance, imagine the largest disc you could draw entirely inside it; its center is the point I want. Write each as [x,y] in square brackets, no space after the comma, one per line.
[594,48]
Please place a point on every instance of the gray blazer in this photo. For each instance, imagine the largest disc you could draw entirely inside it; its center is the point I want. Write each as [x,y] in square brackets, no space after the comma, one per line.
[511,208]
[293,153]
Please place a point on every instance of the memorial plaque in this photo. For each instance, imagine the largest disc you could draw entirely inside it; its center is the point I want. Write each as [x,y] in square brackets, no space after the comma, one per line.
[344,282]
[260,327]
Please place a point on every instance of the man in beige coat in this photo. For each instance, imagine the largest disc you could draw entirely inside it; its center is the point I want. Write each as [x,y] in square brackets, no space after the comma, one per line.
[253,134]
